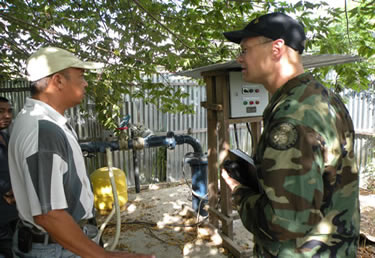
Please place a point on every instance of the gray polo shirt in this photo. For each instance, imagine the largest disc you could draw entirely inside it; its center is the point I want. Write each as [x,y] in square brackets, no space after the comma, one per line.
[46,165]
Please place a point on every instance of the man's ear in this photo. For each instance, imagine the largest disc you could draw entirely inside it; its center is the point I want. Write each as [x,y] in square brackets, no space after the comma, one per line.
[57,80]
[278,48]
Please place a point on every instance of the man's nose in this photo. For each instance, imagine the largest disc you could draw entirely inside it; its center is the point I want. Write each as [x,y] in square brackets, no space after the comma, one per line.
[239,59]
[85,83]
[8,114]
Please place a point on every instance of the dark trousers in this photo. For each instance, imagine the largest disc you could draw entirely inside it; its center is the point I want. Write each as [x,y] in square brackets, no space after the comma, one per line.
[6,236]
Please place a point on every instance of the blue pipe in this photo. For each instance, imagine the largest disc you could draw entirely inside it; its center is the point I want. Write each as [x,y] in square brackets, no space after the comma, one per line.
[92,147]
[198,163]
[181,139]
[170,141]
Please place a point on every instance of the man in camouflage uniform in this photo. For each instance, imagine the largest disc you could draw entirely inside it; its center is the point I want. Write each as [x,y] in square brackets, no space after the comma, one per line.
[307,205]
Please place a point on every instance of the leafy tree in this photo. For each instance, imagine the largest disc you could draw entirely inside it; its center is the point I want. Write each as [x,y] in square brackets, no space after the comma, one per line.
[138,38]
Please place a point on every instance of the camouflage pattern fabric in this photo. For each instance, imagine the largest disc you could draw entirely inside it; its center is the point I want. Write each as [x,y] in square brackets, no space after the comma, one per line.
[308,205]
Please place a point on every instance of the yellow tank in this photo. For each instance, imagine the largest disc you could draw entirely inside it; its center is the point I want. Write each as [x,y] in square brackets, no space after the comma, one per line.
[103,190]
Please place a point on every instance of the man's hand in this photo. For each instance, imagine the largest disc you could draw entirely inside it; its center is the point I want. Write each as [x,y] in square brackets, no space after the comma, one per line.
[9,197]
[232,183]
[64,230]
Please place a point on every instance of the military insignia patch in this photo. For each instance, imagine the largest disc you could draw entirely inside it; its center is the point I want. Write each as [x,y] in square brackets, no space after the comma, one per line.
[283,136]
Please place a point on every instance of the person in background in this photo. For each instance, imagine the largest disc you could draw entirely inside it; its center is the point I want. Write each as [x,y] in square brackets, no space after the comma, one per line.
[50,184]
[8,214]
[307,203]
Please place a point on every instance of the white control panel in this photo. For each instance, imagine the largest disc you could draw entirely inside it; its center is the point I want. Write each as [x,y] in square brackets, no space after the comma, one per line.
[246,99]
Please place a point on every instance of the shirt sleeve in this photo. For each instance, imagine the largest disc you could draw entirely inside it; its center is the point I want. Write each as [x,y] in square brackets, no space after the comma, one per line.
[46,170]
[291,175]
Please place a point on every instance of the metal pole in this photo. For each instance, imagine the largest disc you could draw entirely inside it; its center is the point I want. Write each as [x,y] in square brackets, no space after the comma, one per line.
[136,169]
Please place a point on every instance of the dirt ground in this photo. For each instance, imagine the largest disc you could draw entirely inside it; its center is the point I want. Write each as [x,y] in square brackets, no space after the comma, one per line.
[159,220]
[367,243]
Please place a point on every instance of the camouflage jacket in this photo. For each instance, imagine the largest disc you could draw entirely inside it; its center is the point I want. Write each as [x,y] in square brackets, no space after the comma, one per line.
[308,205]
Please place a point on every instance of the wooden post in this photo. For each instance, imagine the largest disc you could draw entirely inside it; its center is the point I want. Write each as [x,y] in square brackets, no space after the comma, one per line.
[212,167]
[256,131]
[218,121]
[222,97]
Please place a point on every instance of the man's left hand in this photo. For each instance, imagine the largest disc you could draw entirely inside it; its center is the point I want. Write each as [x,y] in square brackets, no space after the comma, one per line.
[9,197]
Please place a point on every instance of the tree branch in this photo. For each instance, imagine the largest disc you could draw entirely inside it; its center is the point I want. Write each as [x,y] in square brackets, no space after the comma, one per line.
[14,44]
[161,24]
[347,23]
[51,31]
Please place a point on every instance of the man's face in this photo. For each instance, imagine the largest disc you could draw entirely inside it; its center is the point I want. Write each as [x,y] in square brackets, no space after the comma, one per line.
[253,58]
[75,84]
[5,115]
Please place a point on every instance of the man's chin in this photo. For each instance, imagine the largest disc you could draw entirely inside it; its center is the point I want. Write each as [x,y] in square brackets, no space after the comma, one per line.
[249,79]
[4,126]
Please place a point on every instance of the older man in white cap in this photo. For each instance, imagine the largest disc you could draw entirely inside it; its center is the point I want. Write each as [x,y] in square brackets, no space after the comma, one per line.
[48,174]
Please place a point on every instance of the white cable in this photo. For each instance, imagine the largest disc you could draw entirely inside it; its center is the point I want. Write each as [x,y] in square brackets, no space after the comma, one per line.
[199,207]
[102,227]
[115,198]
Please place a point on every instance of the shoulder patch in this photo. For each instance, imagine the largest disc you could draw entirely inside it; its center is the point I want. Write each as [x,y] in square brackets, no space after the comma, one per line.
[283,136]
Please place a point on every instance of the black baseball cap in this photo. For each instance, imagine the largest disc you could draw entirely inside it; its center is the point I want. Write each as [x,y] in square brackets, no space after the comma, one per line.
[273,26]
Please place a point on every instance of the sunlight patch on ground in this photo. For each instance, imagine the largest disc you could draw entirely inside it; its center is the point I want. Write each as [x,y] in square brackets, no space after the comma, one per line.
[176,204]
[131,208]
[153,187]
[168,219]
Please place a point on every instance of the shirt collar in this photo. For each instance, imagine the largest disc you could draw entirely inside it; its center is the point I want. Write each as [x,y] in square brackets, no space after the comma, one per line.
[292,83]
[43,108]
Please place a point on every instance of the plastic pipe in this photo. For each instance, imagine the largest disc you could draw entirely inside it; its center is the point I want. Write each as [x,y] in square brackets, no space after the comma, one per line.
[104,224]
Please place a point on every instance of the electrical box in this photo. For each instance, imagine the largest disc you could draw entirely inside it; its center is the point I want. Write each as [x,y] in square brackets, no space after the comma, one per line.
[246,99]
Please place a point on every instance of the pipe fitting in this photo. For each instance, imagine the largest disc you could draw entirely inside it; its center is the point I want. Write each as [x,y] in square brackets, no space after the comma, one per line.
[123,144]
[138,143]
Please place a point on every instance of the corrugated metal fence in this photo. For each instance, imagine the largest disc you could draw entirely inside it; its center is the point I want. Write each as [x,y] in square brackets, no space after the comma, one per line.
[361,106]
[159,164]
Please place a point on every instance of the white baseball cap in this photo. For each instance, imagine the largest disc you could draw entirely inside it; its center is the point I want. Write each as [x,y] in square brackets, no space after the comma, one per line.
[49,60]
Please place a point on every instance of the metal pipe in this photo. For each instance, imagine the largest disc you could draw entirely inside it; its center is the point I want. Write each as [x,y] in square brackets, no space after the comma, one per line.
[136,172]
[135,167]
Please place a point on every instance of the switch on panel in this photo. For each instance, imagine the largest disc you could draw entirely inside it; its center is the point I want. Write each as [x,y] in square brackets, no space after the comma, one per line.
[246,99]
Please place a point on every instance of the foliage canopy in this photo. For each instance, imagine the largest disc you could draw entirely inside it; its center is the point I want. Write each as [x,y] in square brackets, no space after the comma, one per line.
[137,38]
